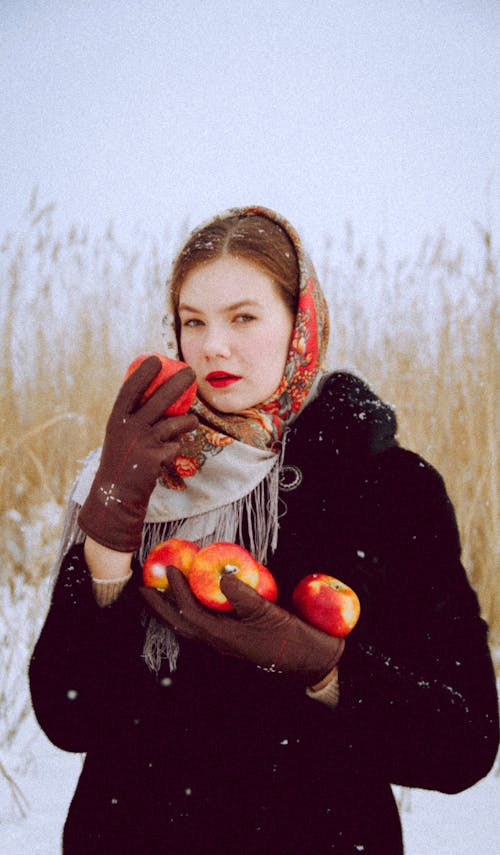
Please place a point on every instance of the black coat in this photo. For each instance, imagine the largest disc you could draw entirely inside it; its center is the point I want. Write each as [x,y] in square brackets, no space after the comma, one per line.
[221,757]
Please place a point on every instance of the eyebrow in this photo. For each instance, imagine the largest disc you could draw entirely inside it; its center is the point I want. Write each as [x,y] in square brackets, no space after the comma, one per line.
[232,308]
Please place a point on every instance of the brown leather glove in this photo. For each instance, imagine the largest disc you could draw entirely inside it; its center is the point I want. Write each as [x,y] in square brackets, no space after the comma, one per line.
[257,630]
[139,440]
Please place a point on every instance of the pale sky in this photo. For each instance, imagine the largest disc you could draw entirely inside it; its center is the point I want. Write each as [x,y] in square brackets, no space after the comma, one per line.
[149,113]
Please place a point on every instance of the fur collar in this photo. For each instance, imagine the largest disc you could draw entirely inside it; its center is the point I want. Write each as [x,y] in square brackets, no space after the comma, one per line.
[346,418]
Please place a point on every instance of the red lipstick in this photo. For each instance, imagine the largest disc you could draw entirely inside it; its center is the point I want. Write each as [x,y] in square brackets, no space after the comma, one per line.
[221,379]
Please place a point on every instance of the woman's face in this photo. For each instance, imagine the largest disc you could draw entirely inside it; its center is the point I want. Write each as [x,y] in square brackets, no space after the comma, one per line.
[235,333]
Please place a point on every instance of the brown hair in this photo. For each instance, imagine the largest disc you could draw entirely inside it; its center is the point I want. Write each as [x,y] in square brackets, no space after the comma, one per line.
[253,237]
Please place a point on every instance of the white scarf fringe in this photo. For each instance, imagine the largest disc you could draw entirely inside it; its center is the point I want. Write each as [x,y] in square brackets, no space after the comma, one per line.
[260,510]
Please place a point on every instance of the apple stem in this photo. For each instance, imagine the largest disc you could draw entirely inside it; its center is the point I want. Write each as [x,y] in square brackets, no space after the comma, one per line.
[230,568]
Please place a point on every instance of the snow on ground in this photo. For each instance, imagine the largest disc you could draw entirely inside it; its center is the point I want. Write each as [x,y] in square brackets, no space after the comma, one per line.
[433,823]
[47,786]
[464,824]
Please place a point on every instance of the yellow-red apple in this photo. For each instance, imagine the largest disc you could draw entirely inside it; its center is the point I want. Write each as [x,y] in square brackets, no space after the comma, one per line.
[170,553]
[267,586]
[327,603]
[210,564]
[169,367]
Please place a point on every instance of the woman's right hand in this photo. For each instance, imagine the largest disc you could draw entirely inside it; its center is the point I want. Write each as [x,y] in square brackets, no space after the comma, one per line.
[139,440]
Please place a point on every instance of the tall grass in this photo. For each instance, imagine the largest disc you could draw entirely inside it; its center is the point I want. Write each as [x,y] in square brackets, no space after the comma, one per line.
[75,309]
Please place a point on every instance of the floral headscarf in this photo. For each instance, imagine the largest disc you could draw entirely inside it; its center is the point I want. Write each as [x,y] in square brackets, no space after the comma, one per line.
[262,426]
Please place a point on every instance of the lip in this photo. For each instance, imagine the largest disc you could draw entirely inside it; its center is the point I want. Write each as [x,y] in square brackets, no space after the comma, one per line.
[221,379]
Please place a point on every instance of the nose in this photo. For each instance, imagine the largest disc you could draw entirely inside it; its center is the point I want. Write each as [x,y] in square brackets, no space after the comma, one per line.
[216,342]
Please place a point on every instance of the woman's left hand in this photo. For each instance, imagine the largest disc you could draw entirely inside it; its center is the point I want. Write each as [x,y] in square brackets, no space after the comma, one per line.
[257,630]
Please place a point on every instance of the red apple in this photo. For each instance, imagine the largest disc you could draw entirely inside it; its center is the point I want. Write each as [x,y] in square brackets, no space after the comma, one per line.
[168,368]
[212,561]
[170,553]
[328,604]
[267,586]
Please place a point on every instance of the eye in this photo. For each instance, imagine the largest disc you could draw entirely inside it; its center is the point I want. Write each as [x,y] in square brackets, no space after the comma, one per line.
[244,318]
[191,322]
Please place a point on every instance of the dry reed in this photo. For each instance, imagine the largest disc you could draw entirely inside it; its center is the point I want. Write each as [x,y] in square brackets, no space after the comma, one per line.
[75,309]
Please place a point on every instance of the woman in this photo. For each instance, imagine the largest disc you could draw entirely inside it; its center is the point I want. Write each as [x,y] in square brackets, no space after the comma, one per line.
[254,732]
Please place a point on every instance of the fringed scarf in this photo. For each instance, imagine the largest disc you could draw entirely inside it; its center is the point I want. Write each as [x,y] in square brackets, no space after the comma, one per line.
[224,485]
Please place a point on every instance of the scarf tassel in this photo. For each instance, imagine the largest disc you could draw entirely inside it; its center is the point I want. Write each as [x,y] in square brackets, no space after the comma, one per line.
[260,511]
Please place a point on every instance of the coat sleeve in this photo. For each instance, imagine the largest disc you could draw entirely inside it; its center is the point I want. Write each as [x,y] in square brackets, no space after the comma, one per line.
[417,683]
[80,671]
